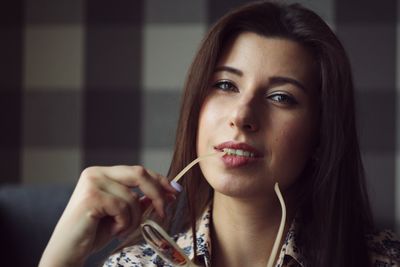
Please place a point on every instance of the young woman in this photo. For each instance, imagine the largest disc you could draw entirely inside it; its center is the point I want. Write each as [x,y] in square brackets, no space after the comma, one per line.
[272,85]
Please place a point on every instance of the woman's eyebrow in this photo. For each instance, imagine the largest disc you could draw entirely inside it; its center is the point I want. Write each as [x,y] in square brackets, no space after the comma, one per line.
[278,80]
[229,69]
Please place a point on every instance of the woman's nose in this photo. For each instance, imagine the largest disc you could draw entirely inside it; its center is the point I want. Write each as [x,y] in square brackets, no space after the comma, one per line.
[244,117]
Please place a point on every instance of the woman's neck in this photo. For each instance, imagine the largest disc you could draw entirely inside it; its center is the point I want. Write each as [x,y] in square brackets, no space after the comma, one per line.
[244,230]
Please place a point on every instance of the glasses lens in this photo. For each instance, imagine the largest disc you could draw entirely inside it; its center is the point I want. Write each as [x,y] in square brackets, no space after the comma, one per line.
[163,246]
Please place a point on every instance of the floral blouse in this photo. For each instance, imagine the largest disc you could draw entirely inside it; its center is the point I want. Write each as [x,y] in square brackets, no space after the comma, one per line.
[384,249]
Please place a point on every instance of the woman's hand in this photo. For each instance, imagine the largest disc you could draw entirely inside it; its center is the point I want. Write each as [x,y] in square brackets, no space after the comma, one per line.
[103,206]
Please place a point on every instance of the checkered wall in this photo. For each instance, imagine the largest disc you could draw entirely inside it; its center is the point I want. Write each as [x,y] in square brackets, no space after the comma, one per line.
[99,83]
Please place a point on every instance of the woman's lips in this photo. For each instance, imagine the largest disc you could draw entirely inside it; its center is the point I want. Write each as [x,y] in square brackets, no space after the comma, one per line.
[232,161]
[238,154]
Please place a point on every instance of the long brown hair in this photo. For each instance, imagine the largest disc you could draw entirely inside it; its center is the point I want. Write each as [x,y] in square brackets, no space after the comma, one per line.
[334,205]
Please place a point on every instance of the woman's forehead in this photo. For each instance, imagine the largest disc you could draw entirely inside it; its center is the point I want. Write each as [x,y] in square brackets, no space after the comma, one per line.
[254,54]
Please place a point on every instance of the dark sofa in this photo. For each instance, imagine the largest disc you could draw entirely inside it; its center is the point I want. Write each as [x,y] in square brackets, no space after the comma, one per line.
[28,215]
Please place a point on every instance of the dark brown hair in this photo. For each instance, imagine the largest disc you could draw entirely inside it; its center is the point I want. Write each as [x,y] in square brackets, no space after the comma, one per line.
[334,205]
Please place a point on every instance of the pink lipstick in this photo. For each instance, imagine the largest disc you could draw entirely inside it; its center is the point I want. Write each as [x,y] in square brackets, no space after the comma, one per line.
[238,154]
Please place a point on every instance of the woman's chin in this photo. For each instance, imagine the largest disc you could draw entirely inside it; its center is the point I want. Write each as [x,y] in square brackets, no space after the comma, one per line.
[237,188]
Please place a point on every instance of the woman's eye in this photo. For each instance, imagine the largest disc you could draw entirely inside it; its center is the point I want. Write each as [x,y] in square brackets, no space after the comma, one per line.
[225,86]
[283,98]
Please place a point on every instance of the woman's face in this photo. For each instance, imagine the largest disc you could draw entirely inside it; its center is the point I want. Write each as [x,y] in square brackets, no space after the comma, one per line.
[262,107]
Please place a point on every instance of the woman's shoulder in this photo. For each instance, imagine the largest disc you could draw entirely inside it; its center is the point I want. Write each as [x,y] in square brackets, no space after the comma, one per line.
[135,256]
[384,248]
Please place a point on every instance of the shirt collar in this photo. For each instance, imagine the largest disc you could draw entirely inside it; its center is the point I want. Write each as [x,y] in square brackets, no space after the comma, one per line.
[291,250]
[184,240]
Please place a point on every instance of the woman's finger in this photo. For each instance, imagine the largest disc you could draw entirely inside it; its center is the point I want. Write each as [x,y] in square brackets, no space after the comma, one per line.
[127,175]
[137,176]
[123,213]
[120,191]
[163,181]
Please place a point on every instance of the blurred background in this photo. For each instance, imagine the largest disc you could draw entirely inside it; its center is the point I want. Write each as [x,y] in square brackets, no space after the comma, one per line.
[99,83]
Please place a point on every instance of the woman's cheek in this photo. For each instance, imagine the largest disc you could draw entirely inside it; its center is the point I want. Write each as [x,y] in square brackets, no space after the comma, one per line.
[294,149]
[210,108]
[209,119]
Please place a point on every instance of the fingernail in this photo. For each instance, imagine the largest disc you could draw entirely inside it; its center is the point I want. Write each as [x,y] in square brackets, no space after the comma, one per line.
[176,186]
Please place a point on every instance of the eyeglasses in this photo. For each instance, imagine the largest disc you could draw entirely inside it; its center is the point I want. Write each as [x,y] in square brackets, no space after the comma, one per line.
[159,240]
[163,244]
[167,248]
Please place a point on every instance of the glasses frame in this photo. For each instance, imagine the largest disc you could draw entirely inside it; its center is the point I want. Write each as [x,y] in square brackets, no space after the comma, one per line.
[169,242]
